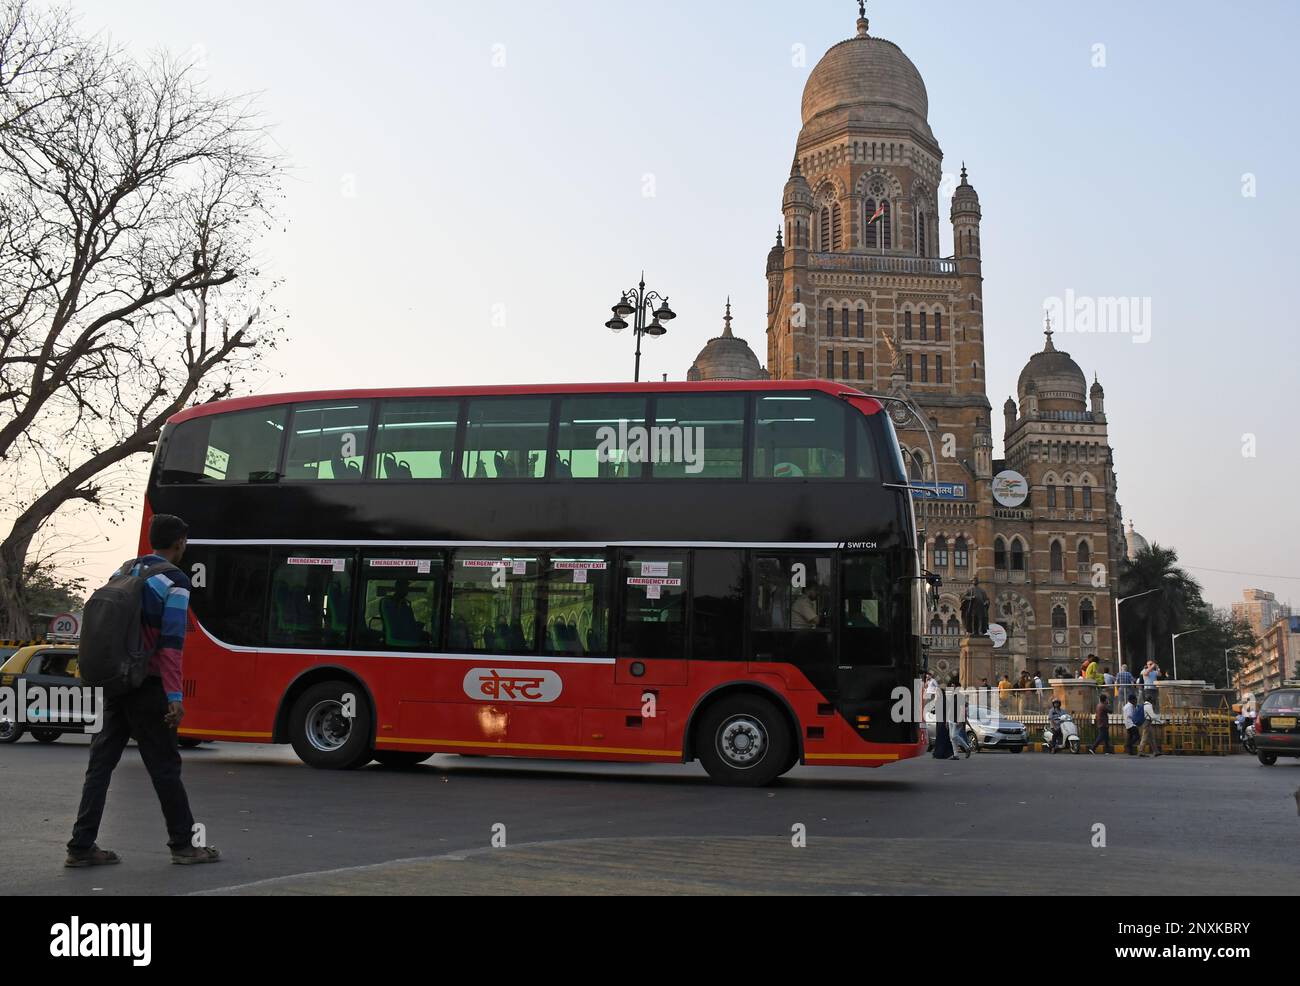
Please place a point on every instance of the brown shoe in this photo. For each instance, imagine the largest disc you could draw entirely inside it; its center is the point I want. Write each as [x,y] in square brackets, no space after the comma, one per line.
[196,854]
[94,856]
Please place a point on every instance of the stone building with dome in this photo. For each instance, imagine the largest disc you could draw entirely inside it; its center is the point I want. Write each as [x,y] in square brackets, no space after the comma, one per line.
[858,292]
[726,357]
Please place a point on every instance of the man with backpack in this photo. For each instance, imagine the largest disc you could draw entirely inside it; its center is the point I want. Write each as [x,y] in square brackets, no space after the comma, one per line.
[132,637]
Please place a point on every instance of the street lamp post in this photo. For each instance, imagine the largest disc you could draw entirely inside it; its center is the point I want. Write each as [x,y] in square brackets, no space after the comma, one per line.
[638,302]
[1119,637]
[1173,642]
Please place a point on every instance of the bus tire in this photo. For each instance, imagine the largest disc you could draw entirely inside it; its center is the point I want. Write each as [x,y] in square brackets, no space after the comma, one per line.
[322,735]
[744,741]
[400,759]
[46,735]
[11,731]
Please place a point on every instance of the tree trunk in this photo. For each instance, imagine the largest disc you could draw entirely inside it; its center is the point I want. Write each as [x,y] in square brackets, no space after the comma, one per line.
[14,624]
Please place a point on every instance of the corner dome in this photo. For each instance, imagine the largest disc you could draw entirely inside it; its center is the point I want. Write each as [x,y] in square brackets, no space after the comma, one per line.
[726,357]
[868,81]
[1055,378]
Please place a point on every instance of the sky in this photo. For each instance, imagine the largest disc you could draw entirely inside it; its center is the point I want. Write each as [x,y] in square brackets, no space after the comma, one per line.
[474,184]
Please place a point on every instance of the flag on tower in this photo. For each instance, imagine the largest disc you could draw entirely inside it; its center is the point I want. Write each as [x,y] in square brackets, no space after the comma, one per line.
[880,211]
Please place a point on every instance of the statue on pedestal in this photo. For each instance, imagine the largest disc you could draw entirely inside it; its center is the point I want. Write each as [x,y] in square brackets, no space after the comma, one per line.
[975,611]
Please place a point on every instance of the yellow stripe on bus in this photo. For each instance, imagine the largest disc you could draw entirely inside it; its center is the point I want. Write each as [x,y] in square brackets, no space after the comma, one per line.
[533,746]
[850,756]
[220,732]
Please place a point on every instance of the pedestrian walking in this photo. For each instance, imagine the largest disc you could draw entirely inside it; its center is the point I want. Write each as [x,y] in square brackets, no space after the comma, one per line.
[150,712]
[1133,714]
[1101,718]
[1150,731]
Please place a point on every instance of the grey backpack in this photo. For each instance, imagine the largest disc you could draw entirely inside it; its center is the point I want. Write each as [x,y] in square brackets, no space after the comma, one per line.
[112,654]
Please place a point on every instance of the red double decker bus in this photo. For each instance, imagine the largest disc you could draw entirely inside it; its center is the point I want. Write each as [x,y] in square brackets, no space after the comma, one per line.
[722,572]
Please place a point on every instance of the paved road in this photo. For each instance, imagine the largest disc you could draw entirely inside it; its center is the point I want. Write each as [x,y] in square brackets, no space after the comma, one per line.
[995,823]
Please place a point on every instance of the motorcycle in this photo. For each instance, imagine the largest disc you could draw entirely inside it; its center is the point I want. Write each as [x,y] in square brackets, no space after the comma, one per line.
[1069,734]
[1246,731]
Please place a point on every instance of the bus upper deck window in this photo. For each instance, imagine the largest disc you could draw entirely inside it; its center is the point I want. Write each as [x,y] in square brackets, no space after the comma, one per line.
[505,438]
[799,436]
[328,441]
[238,447]
[416,439]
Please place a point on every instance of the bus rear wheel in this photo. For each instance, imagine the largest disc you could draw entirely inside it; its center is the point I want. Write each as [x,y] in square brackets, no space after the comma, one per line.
[323,733]
[744,741]
[46,735]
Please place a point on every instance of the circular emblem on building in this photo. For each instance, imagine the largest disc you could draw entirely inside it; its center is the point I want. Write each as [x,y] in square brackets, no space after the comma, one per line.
[1010,488]
[997,634]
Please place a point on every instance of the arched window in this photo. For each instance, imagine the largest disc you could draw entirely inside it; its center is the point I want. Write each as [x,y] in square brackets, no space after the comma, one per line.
[1069,498]
[908,361]
[940,553]
[1059,618]
[825,231]
[830,321]
[999,553]
[1051,498]
[936,626]
[862,323]
[907,325]
[938,326]
[836,227]
[1087,498]
[924,332]
[886,238]
[920,233]
[954,627]
[1087,615]
[844,321]
[1057,558]
[960,556]
[869,224]
[938,368]
[797,363]
[1085,558]
[1017,555]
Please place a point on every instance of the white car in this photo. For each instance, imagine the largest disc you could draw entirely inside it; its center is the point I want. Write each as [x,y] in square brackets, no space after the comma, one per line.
[986,729]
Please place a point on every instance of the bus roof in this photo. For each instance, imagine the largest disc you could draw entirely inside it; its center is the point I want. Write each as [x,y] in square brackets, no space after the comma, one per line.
[497,390]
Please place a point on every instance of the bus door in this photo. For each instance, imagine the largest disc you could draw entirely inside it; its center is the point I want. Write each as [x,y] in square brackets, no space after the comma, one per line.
[651,647]
[872,658]
[793,617]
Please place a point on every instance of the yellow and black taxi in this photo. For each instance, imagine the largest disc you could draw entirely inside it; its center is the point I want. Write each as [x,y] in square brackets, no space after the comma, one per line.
[40,691]
[1277,725]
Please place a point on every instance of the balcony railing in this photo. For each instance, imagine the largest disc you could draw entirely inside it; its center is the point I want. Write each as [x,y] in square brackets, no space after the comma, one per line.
[868,263]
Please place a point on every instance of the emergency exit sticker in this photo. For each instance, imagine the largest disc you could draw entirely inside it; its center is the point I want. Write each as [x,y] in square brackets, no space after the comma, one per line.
[653,569]
[337,564]
[421,565]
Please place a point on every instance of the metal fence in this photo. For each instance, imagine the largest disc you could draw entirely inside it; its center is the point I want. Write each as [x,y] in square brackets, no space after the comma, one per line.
[1184,730]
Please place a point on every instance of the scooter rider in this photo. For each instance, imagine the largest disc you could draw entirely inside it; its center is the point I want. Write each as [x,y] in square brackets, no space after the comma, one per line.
[1054,722]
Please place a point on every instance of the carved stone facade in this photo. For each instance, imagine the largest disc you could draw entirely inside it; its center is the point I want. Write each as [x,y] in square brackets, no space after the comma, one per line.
[857,292]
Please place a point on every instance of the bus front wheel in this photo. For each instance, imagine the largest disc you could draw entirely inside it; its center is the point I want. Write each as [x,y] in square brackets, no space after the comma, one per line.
[744,741]
[330,726]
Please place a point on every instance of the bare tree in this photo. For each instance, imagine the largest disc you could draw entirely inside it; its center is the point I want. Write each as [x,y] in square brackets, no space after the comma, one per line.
[131,204]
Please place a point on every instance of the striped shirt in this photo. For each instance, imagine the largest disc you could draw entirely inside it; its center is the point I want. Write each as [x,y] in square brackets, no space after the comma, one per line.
[163,617]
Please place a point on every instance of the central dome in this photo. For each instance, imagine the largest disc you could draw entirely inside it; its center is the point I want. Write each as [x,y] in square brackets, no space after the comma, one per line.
[869,81]
[1055,377]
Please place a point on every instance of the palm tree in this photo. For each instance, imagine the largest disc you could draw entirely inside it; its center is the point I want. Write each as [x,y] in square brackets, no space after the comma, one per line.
[1152,619]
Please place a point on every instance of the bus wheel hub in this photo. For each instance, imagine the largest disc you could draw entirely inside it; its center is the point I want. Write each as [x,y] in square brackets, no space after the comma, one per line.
[742,741]
[327,727]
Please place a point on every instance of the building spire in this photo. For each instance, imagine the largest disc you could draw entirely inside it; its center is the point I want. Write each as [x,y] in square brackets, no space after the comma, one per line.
[778,236]
[1047,331]
[863,23]
[726,320]
[963,172]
